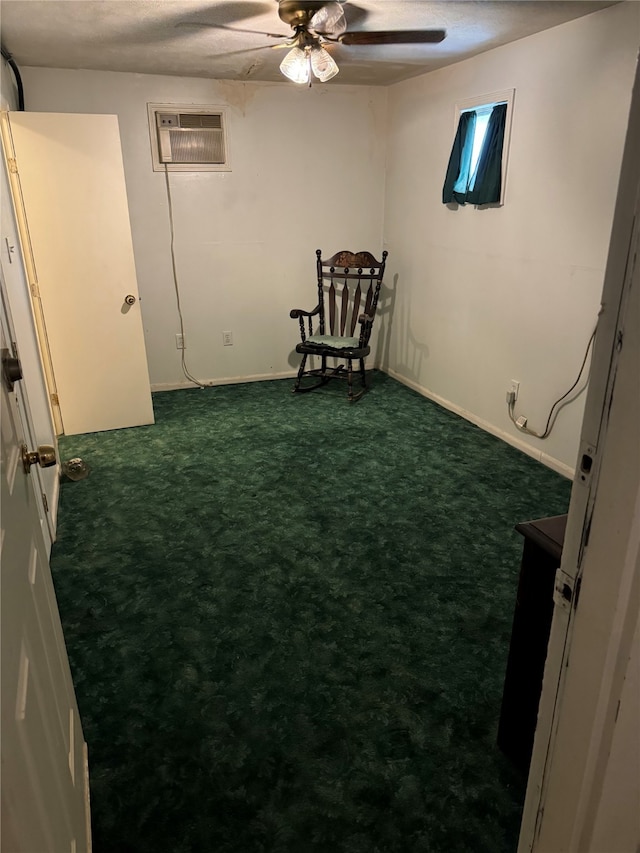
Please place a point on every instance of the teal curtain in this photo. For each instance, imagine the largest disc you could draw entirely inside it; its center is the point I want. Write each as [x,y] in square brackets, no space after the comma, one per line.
[455,182]
[487,185]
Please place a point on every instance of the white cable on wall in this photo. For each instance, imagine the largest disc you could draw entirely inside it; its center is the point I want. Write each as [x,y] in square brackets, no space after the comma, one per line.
[185,370]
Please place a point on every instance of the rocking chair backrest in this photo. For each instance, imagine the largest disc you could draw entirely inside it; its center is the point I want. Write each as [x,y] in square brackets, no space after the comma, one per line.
[352,283]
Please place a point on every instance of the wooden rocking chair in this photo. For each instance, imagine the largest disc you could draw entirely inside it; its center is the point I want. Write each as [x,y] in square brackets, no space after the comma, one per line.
[349,280]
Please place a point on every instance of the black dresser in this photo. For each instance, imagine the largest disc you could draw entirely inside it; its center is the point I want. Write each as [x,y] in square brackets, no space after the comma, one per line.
[543,541]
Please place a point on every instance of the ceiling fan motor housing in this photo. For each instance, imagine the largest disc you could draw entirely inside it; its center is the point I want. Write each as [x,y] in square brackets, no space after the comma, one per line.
[298,13]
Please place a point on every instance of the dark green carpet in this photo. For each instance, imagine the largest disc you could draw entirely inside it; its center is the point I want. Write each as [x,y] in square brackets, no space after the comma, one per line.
[288,620]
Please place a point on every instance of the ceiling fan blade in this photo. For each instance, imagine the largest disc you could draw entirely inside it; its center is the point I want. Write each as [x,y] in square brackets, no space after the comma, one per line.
[205,25]
[394,37]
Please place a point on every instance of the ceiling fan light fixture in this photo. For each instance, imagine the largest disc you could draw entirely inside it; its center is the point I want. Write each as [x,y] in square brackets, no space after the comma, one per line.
[295,66]
[323,64]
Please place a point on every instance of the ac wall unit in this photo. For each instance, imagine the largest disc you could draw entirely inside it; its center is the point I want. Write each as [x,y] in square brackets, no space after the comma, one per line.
[188,138]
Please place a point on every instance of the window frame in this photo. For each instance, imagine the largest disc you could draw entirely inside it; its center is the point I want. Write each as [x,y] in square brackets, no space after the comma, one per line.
[505,96]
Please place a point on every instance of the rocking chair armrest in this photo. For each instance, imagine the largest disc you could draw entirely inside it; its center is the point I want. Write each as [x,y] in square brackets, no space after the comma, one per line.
[365,319]
[296,313]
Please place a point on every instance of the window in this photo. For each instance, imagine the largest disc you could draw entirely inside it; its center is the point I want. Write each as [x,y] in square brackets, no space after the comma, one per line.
[482,120]
[477,165]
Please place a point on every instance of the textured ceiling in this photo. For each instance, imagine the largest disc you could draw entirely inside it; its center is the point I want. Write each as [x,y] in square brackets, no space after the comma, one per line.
[191,38]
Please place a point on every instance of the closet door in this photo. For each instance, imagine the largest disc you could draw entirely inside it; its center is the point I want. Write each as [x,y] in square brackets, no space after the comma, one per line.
[68,181]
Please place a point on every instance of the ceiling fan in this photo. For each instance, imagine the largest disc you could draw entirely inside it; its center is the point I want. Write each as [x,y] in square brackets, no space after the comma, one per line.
[318,24]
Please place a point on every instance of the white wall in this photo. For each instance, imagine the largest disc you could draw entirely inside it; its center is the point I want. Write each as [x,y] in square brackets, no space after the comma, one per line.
[486,296]
[307,173]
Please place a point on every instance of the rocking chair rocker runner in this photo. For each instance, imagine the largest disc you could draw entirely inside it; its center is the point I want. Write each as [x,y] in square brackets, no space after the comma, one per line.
[349,280]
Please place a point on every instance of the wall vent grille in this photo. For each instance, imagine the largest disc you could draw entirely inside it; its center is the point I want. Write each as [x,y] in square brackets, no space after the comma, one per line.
[208,120]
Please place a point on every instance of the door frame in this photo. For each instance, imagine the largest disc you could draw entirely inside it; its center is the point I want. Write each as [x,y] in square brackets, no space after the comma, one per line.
[622,268]
[30,270]
[17,297]
[46,493]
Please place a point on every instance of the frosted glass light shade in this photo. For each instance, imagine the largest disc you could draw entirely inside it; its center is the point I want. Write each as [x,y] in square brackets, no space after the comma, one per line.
[295,66]
[323,64]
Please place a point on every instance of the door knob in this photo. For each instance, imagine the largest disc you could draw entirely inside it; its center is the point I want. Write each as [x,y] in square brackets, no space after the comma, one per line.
[11,369]
[130,299]
[45,456]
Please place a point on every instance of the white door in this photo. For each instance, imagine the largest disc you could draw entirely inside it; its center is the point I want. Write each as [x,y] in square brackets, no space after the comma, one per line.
[16,289]
[68,176]
[44,784]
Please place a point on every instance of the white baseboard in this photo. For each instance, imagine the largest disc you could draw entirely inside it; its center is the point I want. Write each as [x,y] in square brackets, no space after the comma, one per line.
[514,440]
[227,380]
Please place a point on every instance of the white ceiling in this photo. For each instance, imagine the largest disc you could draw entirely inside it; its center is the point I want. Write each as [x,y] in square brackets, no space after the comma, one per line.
[164,36]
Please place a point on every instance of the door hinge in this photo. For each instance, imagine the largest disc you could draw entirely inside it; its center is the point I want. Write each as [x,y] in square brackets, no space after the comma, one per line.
[13,166]
[54,400]
[45,502]
[35,290]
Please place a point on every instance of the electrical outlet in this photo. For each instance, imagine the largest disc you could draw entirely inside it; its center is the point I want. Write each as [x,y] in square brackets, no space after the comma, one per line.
[514,387]
[179,341]
[227,339]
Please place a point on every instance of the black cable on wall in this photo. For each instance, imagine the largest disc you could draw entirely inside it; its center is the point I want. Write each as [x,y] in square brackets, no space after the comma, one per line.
[16,73]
